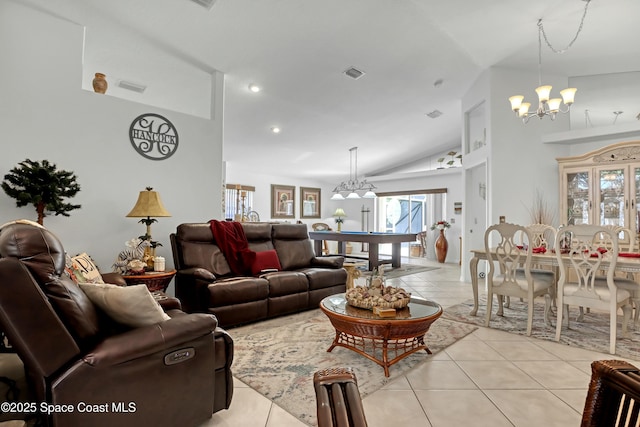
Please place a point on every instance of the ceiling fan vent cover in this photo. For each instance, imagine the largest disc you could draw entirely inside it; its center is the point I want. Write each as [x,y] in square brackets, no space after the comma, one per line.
[354,73]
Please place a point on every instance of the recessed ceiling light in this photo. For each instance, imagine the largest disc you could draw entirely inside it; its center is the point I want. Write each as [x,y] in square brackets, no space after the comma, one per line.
[254,88]
[434,114]
[438,83]
[275,129]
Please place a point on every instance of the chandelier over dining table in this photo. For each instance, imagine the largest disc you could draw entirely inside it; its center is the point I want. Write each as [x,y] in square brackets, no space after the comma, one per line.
[353,188]
[547,106]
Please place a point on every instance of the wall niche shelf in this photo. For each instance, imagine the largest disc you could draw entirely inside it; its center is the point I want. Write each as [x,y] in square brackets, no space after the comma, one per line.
[579,136]
[476,128]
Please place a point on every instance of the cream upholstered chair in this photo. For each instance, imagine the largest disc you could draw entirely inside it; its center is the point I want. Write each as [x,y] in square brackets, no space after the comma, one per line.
[514,276]
[542,235]
[617,231]
[591,290]
[542,238]
[632,286]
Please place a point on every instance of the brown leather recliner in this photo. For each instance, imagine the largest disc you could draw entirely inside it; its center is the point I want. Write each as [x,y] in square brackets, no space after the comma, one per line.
[101,373]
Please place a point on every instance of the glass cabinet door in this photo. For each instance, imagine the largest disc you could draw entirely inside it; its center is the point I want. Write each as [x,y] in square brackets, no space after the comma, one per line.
[611,196]
[578,204]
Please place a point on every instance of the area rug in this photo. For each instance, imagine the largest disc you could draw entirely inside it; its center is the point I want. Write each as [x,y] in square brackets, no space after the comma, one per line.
[278,358]
[592,333]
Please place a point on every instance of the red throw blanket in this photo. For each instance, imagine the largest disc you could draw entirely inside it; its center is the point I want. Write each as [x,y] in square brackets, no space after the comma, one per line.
[230,238]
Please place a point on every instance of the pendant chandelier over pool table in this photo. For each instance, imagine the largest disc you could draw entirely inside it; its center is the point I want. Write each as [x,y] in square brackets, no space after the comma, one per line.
[353,188]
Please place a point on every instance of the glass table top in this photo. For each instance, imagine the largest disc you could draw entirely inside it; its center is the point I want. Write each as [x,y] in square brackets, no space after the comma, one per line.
[418,308]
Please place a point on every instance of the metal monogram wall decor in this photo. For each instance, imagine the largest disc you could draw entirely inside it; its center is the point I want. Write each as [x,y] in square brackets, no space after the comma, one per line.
[153,136]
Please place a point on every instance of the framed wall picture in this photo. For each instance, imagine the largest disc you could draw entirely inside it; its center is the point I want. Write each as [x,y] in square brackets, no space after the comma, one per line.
[309,202]
[283,199]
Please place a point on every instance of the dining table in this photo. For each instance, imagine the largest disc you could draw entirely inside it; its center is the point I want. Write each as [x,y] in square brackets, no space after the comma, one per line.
[628,262]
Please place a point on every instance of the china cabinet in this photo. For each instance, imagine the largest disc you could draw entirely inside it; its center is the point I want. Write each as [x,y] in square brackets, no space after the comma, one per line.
[602,187]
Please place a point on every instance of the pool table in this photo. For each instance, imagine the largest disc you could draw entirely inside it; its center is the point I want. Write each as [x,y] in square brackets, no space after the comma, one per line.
[374,239]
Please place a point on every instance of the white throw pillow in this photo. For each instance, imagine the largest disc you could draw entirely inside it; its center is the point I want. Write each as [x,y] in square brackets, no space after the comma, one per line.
[129,305]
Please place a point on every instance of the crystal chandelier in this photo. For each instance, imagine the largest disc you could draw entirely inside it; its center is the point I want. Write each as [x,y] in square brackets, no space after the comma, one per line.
[547,106]
[353,188]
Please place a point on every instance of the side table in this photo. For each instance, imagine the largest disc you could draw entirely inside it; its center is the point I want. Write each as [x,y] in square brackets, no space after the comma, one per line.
[154,280]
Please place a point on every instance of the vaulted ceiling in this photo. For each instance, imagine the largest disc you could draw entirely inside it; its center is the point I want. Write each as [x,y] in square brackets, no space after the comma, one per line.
[297,50]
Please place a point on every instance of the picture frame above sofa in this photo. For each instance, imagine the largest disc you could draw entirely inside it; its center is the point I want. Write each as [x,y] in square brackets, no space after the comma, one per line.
[310,202]
[283,201]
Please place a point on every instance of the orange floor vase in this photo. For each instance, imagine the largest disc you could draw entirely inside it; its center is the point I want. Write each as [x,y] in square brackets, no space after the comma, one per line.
[441,247]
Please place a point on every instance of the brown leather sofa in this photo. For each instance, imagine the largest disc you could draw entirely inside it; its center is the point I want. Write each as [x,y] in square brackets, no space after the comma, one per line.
[204,281]
[98,372]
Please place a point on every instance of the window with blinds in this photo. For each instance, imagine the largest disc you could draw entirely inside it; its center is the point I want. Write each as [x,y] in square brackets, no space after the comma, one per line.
[238,201]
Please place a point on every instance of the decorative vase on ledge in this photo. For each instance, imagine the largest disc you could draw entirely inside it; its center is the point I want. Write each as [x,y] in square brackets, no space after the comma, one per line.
[441,246]
[100,83]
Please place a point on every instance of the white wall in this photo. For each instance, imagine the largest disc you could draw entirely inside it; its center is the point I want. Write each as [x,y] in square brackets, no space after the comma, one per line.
[237,174]
[522,164]
[45,114]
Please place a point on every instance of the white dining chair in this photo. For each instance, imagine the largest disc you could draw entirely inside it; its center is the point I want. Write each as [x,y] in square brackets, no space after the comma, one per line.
[542,236]
[632,284]
[513,275]
[589,289]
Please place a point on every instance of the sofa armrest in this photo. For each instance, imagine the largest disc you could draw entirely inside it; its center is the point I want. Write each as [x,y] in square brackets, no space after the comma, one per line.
[191,286]
[222,337]
[144,341]
[198,273]
[114,278]
[328,261]
[167,302]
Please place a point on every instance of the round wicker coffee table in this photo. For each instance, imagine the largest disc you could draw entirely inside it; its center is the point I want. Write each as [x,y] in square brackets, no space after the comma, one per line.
[379,338]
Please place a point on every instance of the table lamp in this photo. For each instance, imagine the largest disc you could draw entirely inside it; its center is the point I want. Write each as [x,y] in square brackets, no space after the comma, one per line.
[148,205]
[338,215]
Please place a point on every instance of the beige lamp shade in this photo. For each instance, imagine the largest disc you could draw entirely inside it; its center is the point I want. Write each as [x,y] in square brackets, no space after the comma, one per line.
[339,213]
[148,205]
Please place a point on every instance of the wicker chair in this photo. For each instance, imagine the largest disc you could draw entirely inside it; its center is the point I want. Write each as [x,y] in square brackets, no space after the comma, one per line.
[614,395]
[321,226]
[338,398]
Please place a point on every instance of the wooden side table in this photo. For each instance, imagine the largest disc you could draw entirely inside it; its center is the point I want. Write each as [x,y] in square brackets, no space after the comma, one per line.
[153,280]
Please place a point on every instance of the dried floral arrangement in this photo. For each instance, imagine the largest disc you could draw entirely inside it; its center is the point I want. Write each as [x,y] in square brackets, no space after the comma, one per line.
[376,294]
[540,212]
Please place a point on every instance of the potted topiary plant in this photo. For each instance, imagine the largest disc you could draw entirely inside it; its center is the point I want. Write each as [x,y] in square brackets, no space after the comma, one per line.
[42,185]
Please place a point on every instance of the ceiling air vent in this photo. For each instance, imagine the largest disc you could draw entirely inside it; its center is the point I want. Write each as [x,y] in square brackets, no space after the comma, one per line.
[435,114]
[132,86]
[205,3]
[354,73]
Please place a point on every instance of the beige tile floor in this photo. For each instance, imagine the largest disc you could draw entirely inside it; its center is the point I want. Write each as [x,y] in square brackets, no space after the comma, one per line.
[489,378]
